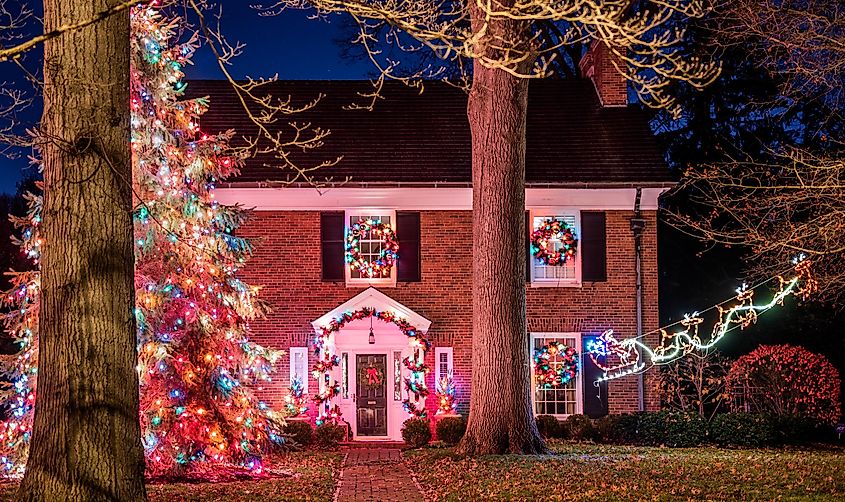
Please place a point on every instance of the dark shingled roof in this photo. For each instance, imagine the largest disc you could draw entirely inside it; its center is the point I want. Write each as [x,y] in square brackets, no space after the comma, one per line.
[413,138]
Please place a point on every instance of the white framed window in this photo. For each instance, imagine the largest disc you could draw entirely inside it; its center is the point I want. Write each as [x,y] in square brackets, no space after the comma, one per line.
[567,274]
[370,247]
[443,362]
[563,400]
[299,366]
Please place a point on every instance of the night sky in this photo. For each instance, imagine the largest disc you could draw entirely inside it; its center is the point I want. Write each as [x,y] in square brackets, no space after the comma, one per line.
[290,44]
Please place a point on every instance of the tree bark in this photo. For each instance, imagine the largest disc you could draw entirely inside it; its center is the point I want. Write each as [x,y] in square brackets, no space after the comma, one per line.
[500,419]
[86,437]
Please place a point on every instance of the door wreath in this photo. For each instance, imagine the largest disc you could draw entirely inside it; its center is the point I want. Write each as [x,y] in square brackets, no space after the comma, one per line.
[372,376]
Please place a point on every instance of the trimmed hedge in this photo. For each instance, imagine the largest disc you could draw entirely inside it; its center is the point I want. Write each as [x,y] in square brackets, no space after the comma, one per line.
[300,432]
[743,429]
[328,435]
[450,430]
[549,427]
[579,428]
[416,432]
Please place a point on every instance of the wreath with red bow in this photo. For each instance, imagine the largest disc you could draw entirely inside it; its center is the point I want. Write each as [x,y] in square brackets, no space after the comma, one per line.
[543,249]
[372,376]
[555,364]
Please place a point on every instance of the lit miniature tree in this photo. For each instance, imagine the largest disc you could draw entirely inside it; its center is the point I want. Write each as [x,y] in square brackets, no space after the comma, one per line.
[192,311]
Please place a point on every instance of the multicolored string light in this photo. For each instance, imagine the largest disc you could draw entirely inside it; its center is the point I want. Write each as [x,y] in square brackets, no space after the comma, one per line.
[555,364]
[542,242]
[380,266]
[326,361]
[194,353]
[444,391]
[618,358]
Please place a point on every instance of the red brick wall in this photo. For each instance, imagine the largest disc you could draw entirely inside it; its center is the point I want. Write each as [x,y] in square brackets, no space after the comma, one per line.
[612,87]
[287,264]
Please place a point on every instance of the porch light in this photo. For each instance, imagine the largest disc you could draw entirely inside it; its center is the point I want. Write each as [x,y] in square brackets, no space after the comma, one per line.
[372,338]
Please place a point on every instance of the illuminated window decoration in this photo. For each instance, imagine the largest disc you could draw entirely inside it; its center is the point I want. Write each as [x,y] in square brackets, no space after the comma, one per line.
[382,264]
[195,358]
[414,363]
[444,391]
[295,399]
[541,242]
[555,364]
[618,358]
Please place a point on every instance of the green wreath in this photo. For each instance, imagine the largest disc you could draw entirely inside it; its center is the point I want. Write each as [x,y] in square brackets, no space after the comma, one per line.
[372,376]
[542,249]
[380,267]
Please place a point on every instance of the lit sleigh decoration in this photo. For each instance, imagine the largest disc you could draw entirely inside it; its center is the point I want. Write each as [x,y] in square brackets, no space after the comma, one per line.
[618,358]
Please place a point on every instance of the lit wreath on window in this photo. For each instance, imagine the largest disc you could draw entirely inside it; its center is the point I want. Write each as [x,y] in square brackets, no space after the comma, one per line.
[544,251]
[567,364]
[380,267]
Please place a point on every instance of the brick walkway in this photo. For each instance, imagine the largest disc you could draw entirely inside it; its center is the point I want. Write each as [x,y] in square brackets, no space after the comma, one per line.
[376,474]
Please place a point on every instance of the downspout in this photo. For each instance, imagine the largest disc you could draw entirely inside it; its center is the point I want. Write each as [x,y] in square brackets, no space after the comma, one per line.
[637,227]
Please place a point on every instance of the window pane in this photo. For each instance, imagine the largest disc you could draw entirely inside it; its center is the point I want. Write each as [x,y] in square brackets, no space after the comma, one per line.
[344,368]
[397,376]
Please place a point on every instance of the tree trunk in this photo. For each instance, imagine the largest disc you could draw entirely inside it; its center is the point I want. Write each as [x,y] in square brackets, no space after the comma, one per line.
[86,437]
[501,419]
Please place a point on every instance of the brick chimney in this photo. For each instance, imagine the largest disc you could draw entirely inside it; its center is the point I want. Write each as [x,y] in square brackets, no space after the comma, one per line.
[596,64]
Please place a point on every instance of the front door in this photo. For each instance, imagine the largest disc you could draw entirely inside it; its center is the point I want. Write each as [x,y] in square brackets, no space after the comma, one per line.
[371,395]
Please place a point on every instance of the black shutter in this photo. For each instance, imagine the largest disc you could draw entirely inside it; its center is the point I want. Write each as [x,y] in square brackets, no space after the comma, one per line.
[529,262]
[593,246]
[408,233]
[595,395]
[332,238]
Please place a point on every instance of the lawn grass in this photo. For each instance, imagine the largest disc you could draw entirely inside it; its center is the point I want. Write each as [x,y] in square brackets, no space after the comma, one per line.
[599,472]
[314,479]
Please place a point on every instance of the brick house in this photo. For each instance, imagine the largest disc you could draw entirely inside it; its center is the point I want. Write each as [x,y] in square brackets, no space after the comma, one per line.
[591,163]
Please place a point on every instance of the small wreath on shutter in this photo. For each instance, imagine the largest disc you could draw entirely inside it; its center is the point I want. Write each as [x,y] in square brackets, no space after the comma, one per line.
[543,249]
[555,373]
[380,267]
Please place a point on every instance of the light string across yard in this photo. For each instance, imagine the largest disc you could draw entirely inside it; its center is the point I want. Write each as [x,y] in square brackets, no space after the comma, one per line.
[618,358]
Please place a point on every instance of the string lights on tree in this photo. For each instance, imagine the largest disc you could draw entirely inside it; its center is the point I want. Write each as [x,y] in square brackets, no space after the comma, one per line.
[445,393]
[192,312]
[618,358]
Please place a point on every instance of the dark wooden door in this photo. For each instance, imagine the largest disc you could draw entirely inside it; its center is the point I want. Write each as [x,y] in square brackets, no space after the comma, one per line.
[371,395]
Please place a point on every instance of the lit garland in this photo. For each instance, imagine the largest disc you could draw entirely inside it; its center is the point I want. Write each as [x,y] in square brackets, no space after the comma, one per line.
[415,363]
[192,312]
[618,358]
[541,247]
[380,267]
[296,399]
[445,393]
[557,372]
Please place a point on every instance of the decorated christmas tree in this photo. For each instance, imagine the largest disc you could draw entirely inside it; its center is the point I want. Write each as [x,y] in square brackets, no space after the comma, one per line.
[192,312]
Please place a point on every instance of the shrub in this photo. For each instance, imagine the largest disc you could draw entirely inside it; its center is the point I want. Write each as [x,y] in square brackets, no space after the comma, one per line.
[787,380]
[743,429]
[671,428]
[328,435]
[450,430]
[549,426]
[300,432]
[607,429]
[791,429]
[416,432]
[579,428]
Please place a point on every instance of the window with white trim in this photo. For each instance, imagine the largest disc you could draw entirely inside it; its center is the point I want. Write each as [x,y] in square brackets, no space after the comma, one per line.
[568,273]
[443,362]
[299,366]
[563,400]
[369,247]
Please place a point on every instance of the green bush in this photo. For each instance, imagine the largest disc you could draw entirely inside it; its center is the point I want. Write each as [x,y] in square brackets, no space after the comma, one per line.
[579,428]
[743,429]
[671,428]
[300,432]
[328,435]
[416,432]
[450,430]
[611,429]
[549,426]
